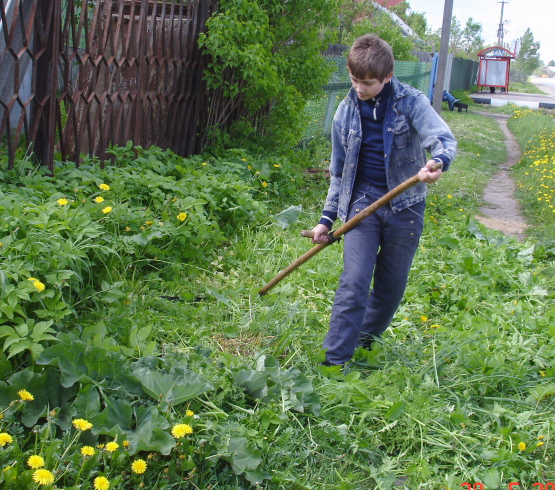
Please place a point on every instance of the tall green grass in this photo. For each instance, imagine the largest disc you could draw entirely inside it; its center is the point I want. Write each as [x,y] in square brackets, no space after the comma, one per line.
[459,390]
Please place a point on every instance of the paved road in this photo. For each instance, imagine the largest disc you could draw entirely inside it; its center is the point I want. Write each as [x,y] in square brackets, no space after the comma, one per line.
[545,84]
[526,100]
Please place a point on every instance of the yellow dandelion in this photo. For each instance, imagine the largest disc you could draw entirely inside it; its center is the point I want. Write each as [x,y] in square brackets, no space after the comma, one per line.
[521,446]
[189,413]
[244,159]
[39,285]
[98,199]
[127,228]
[277,165]
[264,184]
[424,318]
[43,477]
[101,483]
[5,438]
[32,279]
[449,196]
[62,202]
[82,424]
[107,209]
[182,216]
[540,438]
[181,430]
[104,187]
[204,163]
[435,325]
[35,462]
[25,396]
[112,446]
[541,443]
[139,466]
[87,451]
[126,443]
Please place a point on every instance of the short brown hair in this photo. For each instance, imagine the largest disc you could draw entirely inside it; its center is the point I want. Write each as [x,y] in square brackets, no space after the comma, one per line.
[372,57]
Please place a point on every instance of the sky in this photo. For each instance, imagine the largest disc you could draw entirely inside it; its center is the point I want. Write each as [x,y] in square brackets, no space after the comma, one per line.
[538,15]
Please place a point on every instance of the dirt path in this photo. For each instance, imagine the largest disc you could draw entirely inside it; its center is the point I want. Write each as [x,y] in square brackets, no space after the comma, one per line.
[501,211]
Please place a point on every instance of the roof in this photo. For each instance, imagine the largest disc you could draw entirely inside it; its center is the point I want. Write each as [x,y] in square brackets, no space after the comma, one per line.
[495,52]
[388,3]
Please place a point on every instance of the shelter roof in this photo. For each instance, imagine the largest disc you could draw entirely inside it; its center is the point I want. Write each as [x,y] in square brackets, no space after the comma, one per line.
[495,52]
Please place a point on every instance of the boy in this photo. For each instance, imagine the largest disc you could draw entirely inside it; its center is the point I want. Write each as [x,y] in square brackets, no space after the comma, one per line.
[380,135]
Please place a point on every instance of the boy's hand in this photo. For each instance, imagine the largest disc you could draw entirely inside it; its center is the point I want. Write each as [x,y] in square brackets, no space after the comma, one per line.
[320,234]
[427,174]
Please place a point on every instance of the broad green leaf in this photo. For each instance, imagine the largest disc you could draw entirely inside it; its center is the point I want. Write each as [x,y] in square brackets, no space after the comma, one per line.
[288,216]
[147,430]
[48,395]
[241,456]
[78,361]
[396,411]
[174,388]
[87,403]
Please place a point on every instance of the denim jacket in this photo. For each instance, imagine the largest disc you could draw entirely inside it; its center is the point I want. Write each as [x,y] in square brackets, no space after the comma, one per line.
[411,127]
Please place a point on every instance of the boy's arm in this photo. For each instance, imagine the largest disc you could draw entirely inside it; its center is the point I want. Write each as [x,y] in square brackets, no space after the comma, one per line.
[435,135]
[329,214]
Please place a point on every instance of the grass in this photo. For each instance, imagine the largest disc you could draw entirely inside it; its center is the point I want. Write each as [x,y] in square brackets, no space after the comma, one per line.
[442,399]
[524,88]
[459,390]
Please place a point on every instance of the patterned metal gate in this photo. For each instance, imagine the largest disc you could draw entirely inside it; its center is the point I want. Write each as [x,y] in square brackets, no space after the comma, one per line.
[77,76]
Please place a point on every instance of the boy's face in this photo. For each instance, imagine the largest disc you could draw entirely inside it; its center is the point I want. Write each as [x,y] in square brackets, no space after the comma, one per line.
[368,88]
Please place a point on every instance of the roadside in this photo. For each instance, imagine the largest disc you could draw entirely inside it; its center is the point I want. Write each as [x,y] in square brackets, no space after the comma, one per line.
[545,100]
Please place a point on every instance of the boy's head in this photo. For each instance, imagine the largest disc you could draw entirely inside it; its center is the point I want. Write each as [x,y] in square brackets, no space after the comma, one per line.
[370,57]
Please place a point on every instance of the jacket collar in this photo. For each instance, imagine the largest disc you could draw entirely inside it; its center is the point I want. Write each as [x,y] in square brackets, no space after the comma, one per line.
[397,91]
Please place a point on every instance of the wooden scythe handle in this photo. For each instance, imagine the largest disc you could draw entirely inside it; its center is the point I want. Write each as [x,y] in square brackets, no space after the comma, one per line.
[355,220]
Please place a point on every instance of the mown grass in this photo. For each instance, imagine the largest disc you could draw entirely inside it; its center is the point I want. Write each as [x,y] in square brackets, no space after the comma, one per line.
[458,381]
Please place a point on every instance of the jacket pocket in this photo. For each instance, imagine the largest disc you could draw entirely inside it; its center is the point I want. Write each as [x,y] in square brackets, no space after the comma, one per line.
[401,134]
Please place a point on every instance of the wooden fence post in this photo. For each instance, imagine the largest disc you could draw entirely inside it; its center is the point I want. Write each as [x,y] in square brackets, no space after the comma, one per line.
[47,43]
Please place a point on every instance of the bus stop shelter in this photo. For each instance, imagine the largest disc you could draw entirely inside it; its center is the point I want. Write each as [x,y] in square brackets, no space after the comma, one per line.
[495,64]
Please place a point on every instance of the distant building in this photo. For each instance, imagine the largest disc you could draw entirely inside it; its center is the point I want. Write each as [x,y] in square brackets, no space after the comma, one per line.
[388,3]
[549,71]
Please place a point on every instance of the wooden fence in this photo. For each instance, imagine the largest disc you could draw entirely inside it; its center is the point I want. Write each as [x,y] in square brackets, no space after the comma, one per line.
[77,76]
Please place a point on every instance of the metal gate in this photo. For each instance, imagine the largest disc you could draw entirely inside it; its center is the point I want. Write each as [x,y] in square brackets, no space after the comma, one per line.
[77,76]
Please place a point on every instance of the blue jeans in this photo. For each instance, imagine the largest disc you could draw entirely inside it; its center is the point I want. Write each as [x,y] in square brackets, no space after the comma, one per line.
[382,246]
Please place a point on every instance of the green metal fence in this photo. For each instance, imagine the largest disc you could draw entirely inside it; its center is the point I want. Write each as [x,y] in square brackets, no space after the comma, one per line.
[319,112]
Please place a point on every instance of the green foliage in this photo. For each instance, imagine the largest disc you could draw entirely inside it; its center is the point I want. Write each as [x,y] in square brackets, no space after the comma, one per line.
[528,59]
[377,22]
[183,366]
[266,62]
[465,42]
[535,170]
[415,20]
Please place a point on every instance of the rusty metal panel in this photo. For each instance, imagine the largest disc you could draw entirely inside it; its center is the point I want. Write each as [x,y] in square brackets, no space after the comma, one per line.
[103,72]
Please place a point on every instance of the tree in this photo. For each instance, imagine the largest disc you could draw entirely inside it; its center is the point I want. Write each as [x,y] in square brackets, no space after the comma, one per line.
[265,64]
[415,20]
[466,42]
[357,18]
[528,59]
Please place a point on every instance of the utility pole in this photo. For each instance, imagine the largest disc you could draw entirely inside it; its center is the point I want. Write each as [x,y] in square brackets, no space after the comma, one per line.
[501,30]
[443,50]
